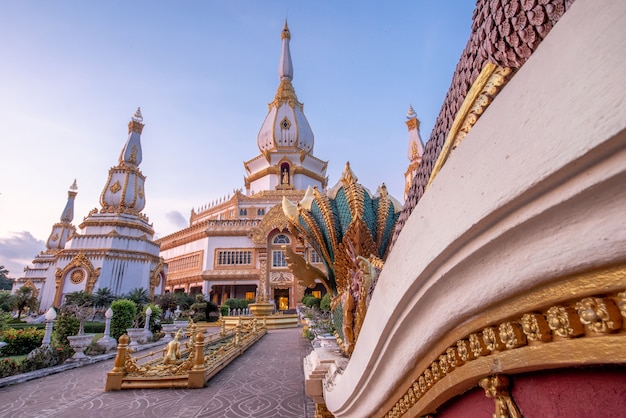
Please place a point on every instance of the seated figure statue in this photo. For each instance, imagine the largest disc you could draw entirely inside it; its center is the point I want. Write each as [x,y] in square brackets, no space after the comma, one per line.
[172,350]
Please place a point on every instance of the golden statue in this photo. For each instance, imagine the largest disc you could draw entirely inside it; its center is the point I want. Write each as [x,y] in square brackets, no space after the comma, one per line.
[172,350]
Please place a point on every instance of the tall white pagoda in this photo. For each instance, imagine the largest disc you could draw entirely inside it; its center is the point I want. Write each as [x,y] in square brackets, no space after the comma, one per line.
[115,248]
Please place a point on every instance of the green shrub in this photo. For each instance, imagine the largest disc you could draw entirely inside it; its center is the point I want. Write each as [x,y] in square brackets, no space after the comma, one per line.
[95,349]
[40,358]
[211,312]
[307,333]
[311,301]
[8,367]
[23,325]
[124,313]
[325,303]
[65,325]
[237,303]
[224,310]
[22,341]
[4,321]
[94,327]
[155,317]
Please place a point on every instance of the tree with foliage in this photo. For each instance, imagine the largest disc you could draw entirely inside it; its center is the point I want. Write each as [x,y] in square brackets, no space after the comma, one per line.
[103,297]
[124,314]
[325,303]
[24,299]
[167,301]
[65,325]
[79,298]
[139,295]
[6,283]
[155,317]
[5,301]
[184,300]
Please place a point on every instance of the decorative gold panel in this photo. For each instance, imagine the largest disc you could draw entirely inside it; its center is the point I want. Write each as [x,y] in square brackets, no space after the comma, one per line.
[582,330]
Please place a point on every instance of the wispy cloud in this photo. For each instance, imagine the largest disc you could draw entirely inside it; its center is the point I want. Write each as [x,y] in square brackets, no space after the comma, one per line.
[18,250]
[176,218]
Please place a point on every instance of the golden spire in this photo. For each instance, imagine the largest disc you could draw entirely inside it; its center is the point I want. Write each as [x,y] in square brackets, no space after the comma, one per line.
[136,122]
[285,33]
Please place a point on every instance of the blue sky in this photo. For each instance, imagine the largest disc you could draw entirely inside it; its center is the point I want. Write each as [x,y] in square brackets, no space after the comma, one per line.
[203,72]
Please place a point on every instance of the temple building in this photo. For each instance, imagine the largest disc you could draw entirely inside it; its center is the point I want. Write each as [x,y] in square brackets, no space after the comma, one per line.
[235,247]
[115,248]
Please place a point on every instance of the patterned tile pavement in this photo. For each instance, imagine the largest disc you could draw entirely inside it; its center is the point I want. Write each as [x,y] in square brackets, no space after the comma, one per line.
[267,381]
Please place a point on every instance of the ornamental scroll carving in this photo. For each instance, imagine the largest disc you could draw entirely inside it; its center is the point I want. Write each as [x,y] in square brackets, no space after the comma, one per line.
[80,263]
[274,219]
[572,320]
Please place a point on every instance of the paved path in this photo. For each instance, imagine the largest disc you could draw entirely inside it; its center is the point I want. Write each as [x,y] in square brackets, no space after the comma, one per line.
[267,381]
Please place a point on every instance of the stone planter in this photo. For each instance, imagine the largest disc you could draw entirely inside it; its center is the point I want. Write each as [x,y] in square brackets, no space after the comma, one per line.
[181,325]
[261,309]
[169,330]
[78,344]
[136,336]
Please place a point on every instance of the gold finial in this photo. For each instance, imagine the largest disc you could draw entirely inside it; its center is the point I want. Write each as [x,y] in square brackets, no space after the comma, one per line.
[348,176]
[137,117]
[74,186]
[285,33]
[411,113]
[136,122]
[412,121]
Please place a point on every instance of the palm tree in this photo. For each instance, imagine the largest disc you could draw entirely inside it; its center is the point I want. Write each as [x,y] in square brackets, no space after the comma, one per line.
[103,297]
[139,295]
[6,283]
[79,298]
[24,298]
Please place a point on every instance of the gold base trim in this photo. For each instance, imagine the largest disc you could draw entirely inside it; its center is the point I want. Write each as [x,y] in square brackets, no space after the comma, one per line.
[577,320]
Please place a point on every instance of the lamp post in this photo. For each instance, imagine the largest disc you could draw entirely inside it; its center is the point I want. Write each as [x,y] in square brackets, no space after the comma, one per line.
[146,327]
[51,315]
[107,341]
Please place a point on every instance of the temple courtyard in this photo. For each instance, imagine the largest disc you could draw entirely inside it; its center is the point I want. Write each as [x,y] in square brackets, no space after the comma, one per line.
[266,381]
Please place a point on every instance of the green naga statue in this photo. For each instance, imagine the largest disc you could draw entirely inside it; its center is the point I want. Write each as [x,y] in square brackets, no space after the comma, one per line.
[351,230]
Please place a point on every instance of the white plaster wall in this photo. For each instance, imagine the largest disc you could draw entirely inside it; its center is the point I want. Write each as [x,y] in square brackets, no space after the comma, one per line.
[535,191]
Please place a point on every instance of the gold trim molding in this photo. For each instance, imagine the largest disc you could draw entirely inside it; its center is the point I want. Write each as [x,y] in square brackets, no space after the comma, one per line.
[274,219]
[565,324]
[80,261]
[490,81]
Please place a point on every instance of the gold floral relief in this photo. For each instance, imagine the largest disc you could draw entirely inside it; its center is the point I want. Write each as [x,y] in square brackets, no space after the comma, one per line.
[464,351]
[536,327]
[492,339]
[77,276]
[512,335]
[115,187]
[599,315]
[564,321]
[477,345]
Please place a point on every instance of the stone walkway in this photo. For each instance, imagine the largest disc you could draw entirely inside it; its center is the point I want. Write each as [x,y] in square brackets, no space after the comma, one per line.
[266,381]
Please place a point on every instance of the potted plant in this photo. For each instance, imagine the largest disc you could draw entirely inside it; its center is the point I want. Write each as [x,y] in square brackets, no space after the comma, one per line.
[80,341]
